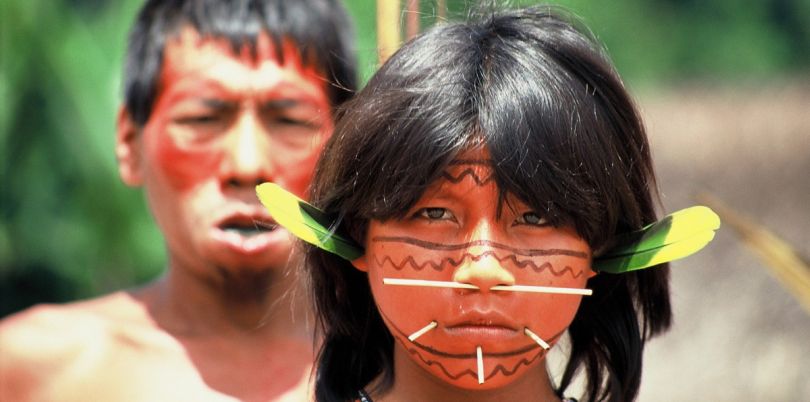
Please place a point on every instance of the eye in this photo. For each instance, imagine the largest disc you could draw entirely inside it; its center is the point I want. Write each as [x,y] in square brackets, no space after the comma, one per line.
[200,119]
[308,123]
[435,214]
[531,218]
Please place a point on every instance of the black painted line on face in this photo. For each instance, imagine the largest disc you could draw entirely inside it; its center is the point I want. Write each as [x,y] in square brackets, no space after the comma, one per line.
[439,266]
[461,246]
[498,368]
[472,355]
[455,179]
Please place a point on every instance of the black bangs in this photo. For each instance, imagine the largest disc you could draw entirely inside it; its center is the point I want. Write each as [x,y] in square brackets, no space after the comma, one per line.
[557,140]
[554,139]
[408,123]
[303,23]
[319,29]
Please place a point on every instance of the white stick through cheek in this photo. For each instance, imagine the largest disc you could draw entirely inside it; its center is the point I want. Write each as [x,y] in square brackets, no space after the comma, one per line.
[426,283]
[422,331]
[536,338]
[480,364]
[543,289]
[514,288]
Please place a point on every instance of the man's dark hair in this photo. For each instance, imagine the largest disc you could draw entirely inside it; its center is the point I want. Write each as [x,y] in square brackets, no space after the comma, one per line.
[319,29]
[564,136]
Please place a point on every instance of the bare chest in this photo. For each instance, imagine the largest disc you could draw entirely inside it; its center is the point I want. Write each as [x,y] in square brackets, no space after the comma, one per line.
[142,369]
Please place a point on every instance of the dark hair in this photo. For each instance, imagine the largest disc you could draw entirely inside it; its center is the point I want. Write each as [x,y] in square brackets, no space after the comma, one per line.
[563,135]
[320,30]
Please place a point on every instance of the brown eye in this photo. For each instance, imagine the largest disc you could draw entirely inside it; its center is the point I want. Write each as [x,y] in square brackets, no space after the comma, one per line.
[435,214]
[531,218]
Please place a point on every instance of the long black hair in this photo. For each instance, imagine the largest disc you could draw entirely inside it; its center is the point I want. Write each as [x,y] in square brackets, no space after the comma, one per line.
[319,29]
[563,136]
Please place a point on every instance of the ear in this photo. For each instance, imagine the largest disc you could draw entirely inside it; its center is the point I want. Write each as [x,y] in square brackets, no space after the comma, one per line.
[361,263]
[590,272]
[128,149]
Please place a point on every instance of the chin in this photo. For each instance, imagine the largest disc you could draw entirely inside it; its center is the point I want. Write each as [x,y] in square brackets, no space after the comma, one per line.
[257,253]
[498,374]
[252,264]
[463,373]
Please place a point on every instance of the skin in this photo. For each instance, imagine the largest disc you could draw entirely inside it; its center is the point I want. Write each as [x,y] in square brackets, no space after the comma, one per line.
[457,231]
[219,324]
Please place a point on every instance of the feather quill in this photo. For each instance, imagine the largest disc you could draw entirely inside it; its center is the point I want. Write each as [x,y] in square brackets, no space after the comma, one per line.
[307,222]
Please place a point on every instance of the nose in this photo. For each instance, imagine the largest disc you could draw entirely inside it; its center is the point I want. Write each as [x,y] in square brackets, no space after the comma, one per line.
[247,160]
[481,266]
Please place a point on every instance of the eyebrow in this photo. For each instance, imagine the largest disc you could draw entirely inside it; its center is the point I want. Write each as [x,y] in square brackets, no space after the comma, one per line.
[460,246]
[216,95]
[215,103]
[284,103]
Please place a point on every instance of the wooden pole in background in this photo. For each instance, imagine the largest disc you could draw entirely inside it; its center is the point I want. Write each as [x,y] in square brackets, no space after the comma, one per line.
[411,19]
[783,261]
[388,32]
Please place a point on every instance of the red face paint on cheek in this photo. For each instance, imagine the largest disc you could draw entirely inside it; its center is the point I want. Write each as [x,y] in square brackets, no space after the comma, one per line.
[186,167]
[294,167]
[181,158]
[457,235]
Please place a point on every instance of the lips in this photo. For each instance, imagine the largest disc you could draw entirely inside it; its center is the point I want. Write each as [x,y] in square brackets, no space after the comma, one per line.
[246,225]
[482,326]
[480,330]
[248,232]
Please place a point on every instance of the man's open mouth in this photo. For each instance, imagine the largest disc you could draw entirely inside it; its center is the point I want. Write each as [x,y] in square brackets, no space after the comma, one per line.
[247,227]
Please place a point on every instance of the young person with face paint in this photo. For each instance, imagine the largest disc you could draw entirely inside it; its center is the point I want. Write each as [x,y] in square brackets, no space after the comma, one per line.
[220,96]
[489,160]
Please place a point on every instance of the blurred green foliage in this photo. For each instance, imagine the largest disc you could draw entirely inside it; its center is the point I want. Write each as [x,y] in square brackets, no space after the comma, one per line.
[70,229]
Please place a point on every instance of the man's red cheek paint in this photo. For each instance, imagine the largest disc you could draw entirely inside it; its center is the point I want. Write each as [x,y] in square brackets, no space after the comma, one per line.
[185,168]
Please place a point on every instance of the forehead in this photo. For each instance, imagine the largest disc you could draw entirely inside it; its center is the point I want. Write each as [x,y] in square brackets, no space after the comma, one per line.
[190,60]
[470,171]
[476,158]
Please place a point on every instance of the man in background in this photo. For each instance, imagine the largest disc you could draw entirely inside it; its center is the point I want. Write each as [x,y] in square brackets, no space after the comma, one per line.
[219,97]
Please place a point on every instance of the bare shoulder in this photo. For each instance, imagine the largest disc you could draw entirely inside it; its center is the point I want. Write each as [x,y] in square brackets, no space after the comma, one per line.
[48,328]
[43,344]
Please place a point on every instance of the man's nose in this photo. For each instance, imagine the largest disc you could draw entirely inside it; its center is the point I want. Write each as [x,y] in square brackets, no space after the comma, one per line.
[247,161]
[481,267]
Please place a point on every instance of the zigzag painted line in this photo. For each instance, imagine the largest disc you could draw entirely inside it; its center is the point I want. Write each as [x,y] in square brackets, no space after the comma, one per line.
[468,172]
[409,261]
[440,366]
[439,267]
[532,252]
[508,373]
[498,368]
[401,337]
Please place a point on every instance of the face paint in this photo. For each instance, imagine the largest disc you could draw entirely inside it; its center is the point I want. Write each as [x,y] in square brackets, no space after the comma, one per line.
[222,123]
[455,233]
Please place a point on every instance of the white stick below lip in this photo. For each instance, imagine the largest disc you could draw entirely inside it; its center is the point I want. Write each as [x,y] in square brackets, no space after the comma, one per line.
[413,336]
[480,354]
[508,288]
[543,344]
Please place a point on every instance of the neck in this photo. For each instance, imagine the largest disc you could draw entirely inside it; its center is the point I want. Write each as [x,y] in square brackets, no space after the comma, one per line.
[412,383]
[257,304]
